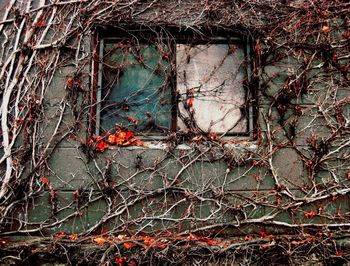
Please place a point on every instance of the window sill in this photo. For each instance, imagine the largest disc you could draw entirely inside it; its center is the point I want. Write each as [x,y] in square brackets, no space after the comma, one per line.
[241,144]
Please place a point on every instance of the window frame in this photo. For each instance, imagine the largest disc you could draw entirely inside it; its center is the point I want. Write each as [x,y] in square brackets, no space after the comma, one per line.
[178,37]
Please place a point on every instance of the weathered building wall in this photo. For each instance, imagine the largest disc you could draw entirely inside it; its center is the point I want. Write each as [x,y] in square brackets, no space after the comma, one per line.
[291,174]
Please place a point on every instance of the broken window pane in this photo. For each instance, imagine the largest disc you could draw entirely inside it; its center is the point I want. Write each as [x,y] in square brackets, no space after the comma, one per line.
[210,81]
[135,87]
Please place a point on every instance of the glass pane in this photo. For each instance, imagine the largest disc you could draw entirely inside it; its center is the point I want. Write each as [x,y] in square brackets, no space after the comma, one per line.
[210,82]
[136,91]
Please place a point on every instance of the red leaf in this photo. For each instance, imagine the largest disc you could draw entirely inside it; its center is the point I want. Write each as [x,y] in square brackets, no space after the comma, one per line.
[213,136]
[40,23]
[310,214]
[132,120]
[120,261]
[121,138]
[129,135]
[340,253]
[257,49]
[70,82]
[45,180]
[128,245]
[346,35]
[348,175]
[209,241]
[61,234]
[264,235]
[101,146]
[190,102]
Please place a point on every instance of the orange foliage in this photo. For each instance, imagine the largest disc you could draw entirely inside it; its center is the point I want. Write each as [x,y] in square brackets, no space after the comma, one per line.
[148,241]
[120,261]
[101,146]
[100,240]
[309,214]
[61,235]
[192,237]
[128,245]
[120,138]
[264,235]
[151,241]
[326,29]
[73,236]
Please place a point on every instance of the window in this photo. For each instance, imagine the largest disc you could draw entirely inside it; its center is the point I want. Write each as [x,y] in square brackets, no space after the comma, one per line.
[152,84]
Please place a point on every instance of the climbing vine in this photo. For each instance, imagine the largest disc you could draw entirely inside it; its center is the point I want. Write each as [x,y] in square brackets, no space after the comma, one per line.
[273,194]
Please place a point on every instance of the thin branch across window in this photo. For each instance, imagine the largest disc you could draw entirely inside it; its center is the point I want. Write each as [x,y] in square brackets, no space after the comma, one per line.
[153,88]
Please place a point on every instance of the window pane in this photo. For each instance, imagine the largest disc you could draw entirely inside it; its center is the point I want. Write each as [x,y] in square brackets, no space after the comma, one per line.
[135,87]
[210,81]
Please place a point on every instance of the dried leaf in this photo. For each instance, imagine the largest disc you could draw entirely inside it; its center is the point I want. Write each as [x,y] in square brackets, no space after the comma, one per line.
[148,241]
[190,102]
[132,120]
[100,240]
[120,138]
[264,235]
[128,245]
[112,139]
[101,145]
[257,49]
[40,23]
[60,235]
[340,253]
[120,261]
[348,175]
[73,236]
[198,138]
[309,214]
[70,82]
[346,35]
[192,237]
[326,29]
[213,136]
[210,241]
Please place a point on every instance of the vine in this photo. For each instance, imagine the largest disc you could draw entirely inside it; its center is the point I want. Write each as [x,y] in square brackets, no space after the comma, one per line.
[282,190]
